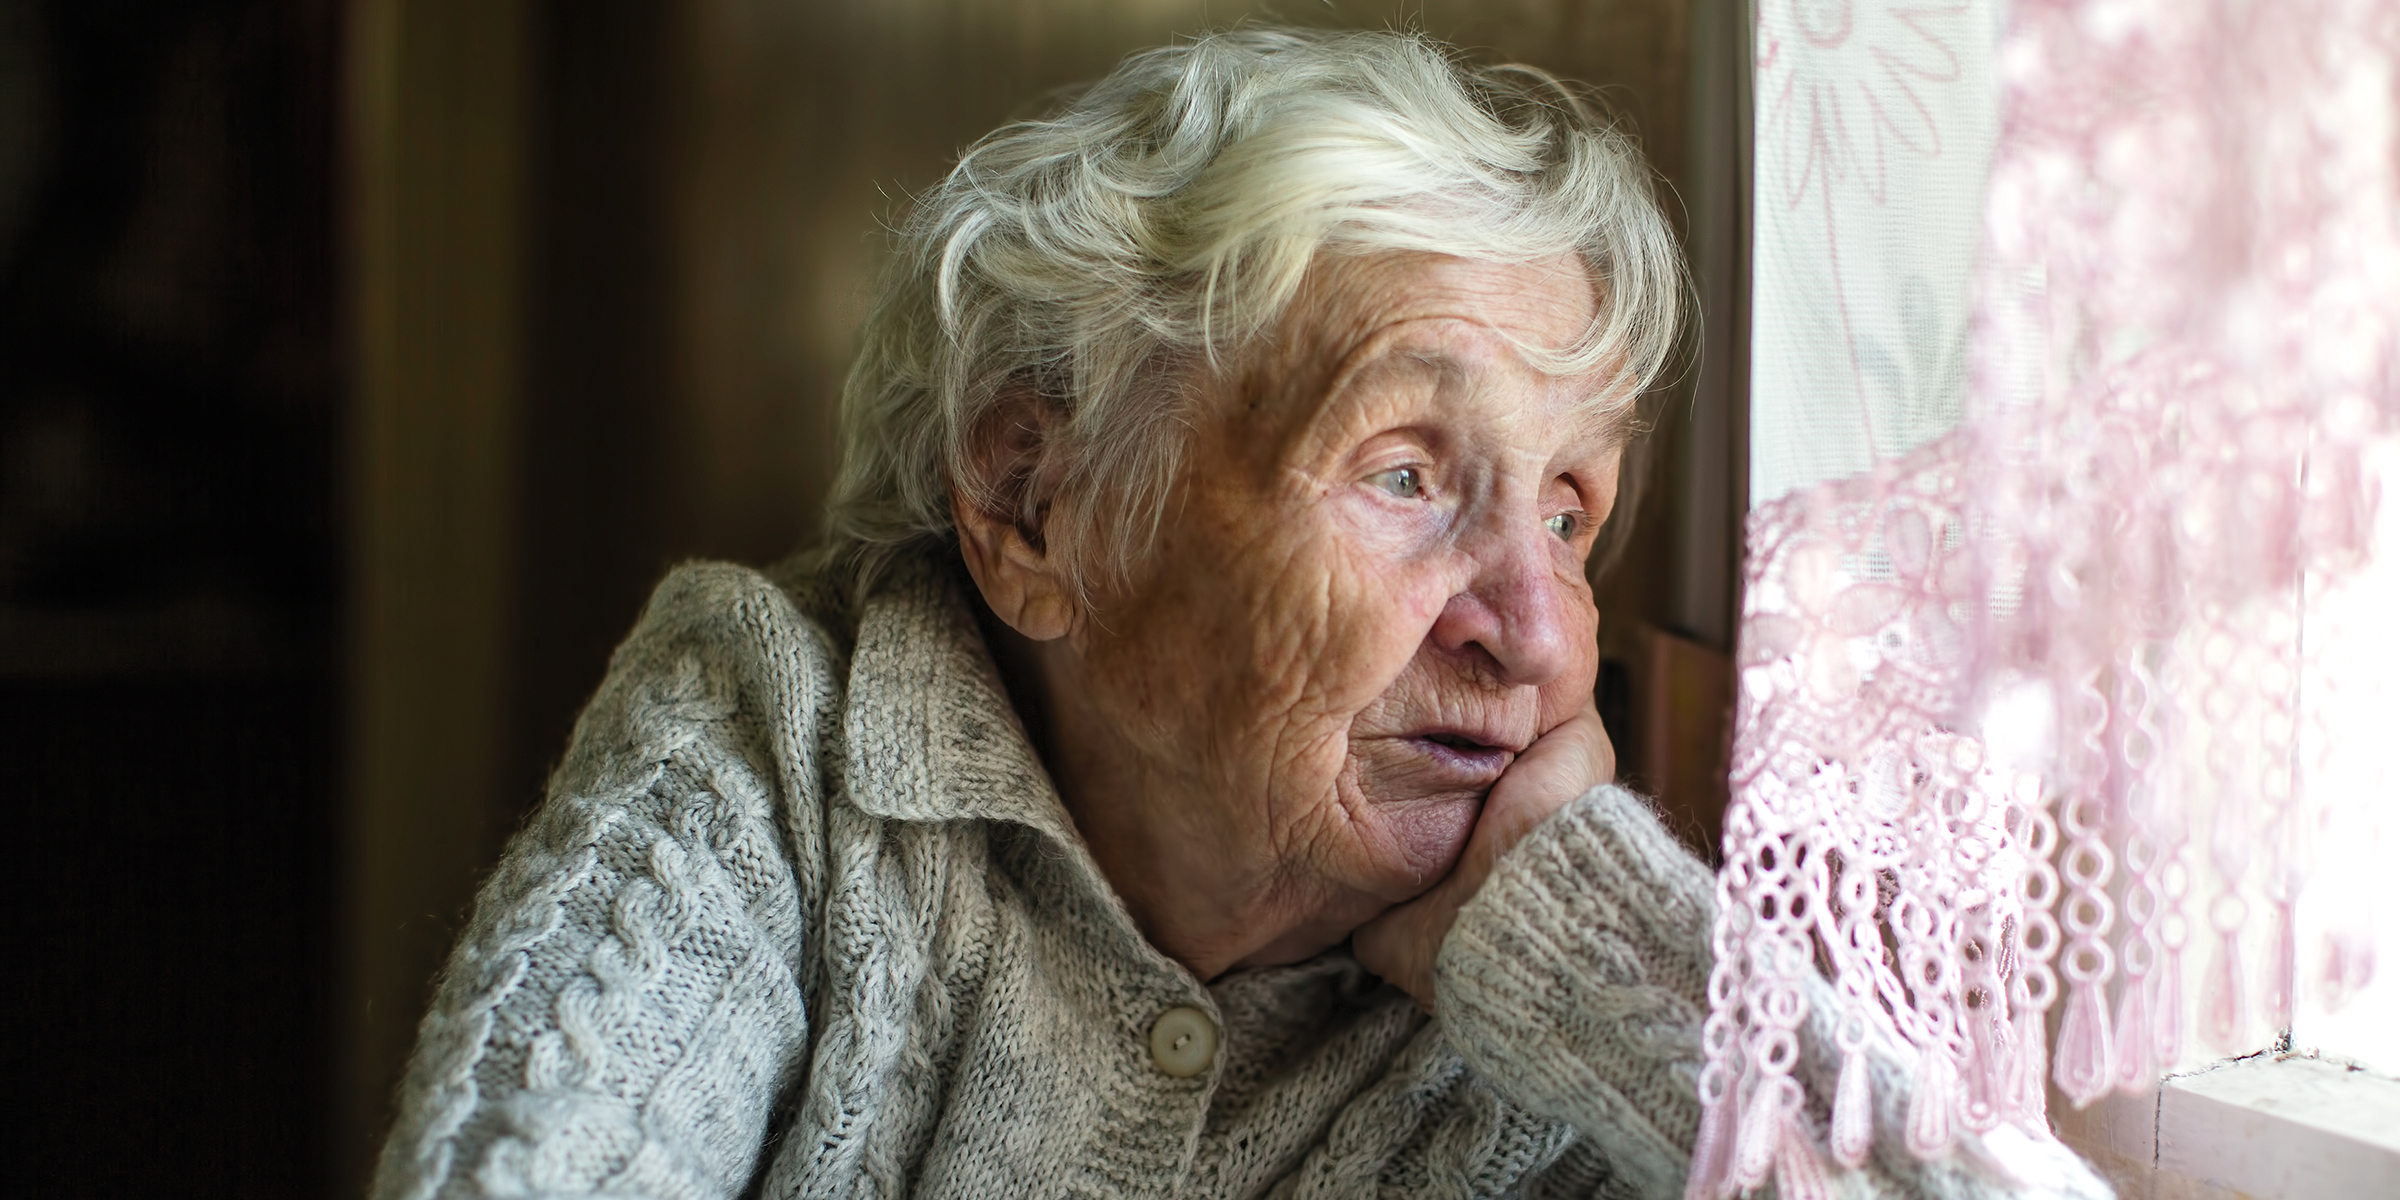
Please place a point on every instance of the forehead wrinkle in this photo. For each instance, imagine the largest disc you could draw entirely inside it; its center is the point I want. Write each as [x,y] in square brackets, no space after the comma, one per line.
[1381,360]
[1388,348]
[1340,330]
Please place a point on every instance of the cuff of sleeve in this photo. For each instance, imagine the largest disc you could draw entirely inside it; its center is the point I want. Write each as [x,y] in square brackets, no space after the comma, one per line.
[1577,978]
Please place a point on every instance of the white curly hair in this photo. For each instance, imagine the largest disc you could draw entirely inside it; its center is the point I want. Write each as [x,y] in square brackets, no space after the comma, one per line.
[1161,219]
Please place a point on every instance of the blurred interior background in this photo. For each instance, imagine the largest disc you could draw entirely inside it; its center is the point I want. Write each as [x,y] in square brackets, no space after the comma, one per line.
[361,366]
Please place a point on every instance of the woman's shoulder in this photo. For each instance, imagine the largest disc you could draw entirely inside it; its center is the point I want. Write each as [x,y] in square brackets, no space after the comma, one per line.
[742,610]
[752,660]
[773,629]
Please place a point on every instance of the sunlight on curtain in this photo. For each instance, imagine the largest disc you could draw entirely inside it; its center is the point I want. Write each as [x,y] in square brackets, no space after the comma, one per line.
[2037,718]
[2349,908]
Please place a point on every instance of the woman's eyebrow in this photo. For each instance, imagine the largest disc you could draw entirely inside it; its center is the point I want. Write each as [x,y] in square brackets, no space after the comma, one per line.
[1396,363]
[1440,364]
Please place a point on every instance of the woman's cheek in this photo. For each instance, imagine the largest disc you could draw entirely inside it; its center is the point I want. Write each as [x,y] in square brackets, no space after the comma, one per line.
[1381,598]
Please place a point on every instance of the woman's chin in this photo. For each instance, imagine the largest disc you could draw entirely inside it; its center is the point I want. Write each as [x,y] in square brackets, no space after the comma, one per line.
[1422,838]
[1407,846]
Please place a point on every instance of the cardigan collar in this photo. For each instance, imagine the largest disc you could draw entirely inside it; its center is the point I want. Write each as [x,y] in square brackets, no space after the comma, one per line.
[930,730]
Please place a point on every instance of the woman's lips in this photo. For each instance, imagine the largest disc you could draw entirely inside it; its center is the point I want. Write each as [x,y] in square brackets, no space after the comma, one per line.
[1432,762]
[1470,763]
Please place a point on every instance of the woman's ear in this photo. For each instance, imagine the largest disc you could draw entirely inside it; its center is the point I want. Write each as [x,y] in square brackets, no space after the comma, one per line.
[1016,568]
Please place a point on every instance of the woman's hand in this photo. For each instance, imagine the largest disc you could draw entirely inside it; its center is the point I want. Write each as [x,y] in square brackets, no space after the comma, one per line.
[1566,762]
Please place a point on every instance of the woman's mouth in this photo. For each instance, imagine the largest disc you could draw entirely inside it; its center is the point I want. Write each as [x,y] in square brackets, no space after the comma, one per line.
[1466,761]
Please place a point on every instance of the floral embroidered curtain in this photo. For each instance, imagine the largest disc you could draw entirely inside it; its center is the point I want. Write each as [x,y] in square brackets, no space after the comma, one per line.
[2076,337]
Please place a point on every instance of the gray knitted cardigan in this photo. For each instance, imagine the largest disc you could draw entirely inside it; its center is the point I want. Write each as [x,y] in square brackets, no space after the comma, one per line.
[803,917]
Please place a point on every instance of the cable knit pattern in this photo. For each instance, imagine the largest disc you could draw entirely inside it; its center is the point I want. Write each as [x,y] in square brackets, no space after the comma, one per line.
[803,917]
[627,1001]
[1581,971]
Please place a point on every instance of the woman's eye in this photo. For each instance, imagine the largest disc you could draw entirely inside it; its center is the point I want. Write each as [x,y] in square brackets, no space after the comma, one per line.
[1564,524]
[1408,483]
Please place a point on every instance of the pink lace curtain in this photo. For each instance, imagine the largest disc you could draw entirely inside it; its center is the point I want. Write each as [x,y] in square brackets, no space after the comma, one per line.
[2018,730]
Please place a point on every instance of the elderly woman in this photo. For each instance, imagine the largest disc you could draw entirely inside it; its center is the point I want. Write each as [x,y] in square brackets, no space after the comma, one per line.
[1178,773]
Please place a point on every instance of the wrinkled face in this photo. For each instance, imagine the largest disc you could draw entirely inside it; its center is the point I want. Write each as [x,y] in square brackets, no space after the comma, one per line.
[1371,597]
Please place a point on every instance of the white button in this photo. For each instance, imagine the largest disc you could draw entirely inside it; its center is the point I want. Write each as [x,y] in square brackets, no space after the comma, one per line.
[1183,1041]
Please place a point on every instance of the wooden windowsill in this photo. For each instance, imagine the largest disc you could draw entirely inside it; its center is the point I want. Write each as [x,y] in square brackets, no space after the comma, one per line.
[2266,1127]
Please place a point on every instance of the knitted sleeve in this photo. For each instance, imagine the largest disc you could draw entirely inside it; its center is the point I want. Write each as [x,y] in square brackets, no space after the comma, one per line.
[1576,982]
[626,1003]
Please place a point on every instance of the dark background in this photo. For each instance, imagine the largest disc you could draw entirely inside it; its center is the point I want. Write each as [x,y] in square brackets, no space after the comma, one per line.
[361,365]
[170,587]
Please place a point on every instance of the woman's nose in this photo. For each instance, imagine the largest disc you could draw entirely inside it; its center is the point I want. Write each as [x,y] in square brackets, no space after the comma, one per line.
[1514,616]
